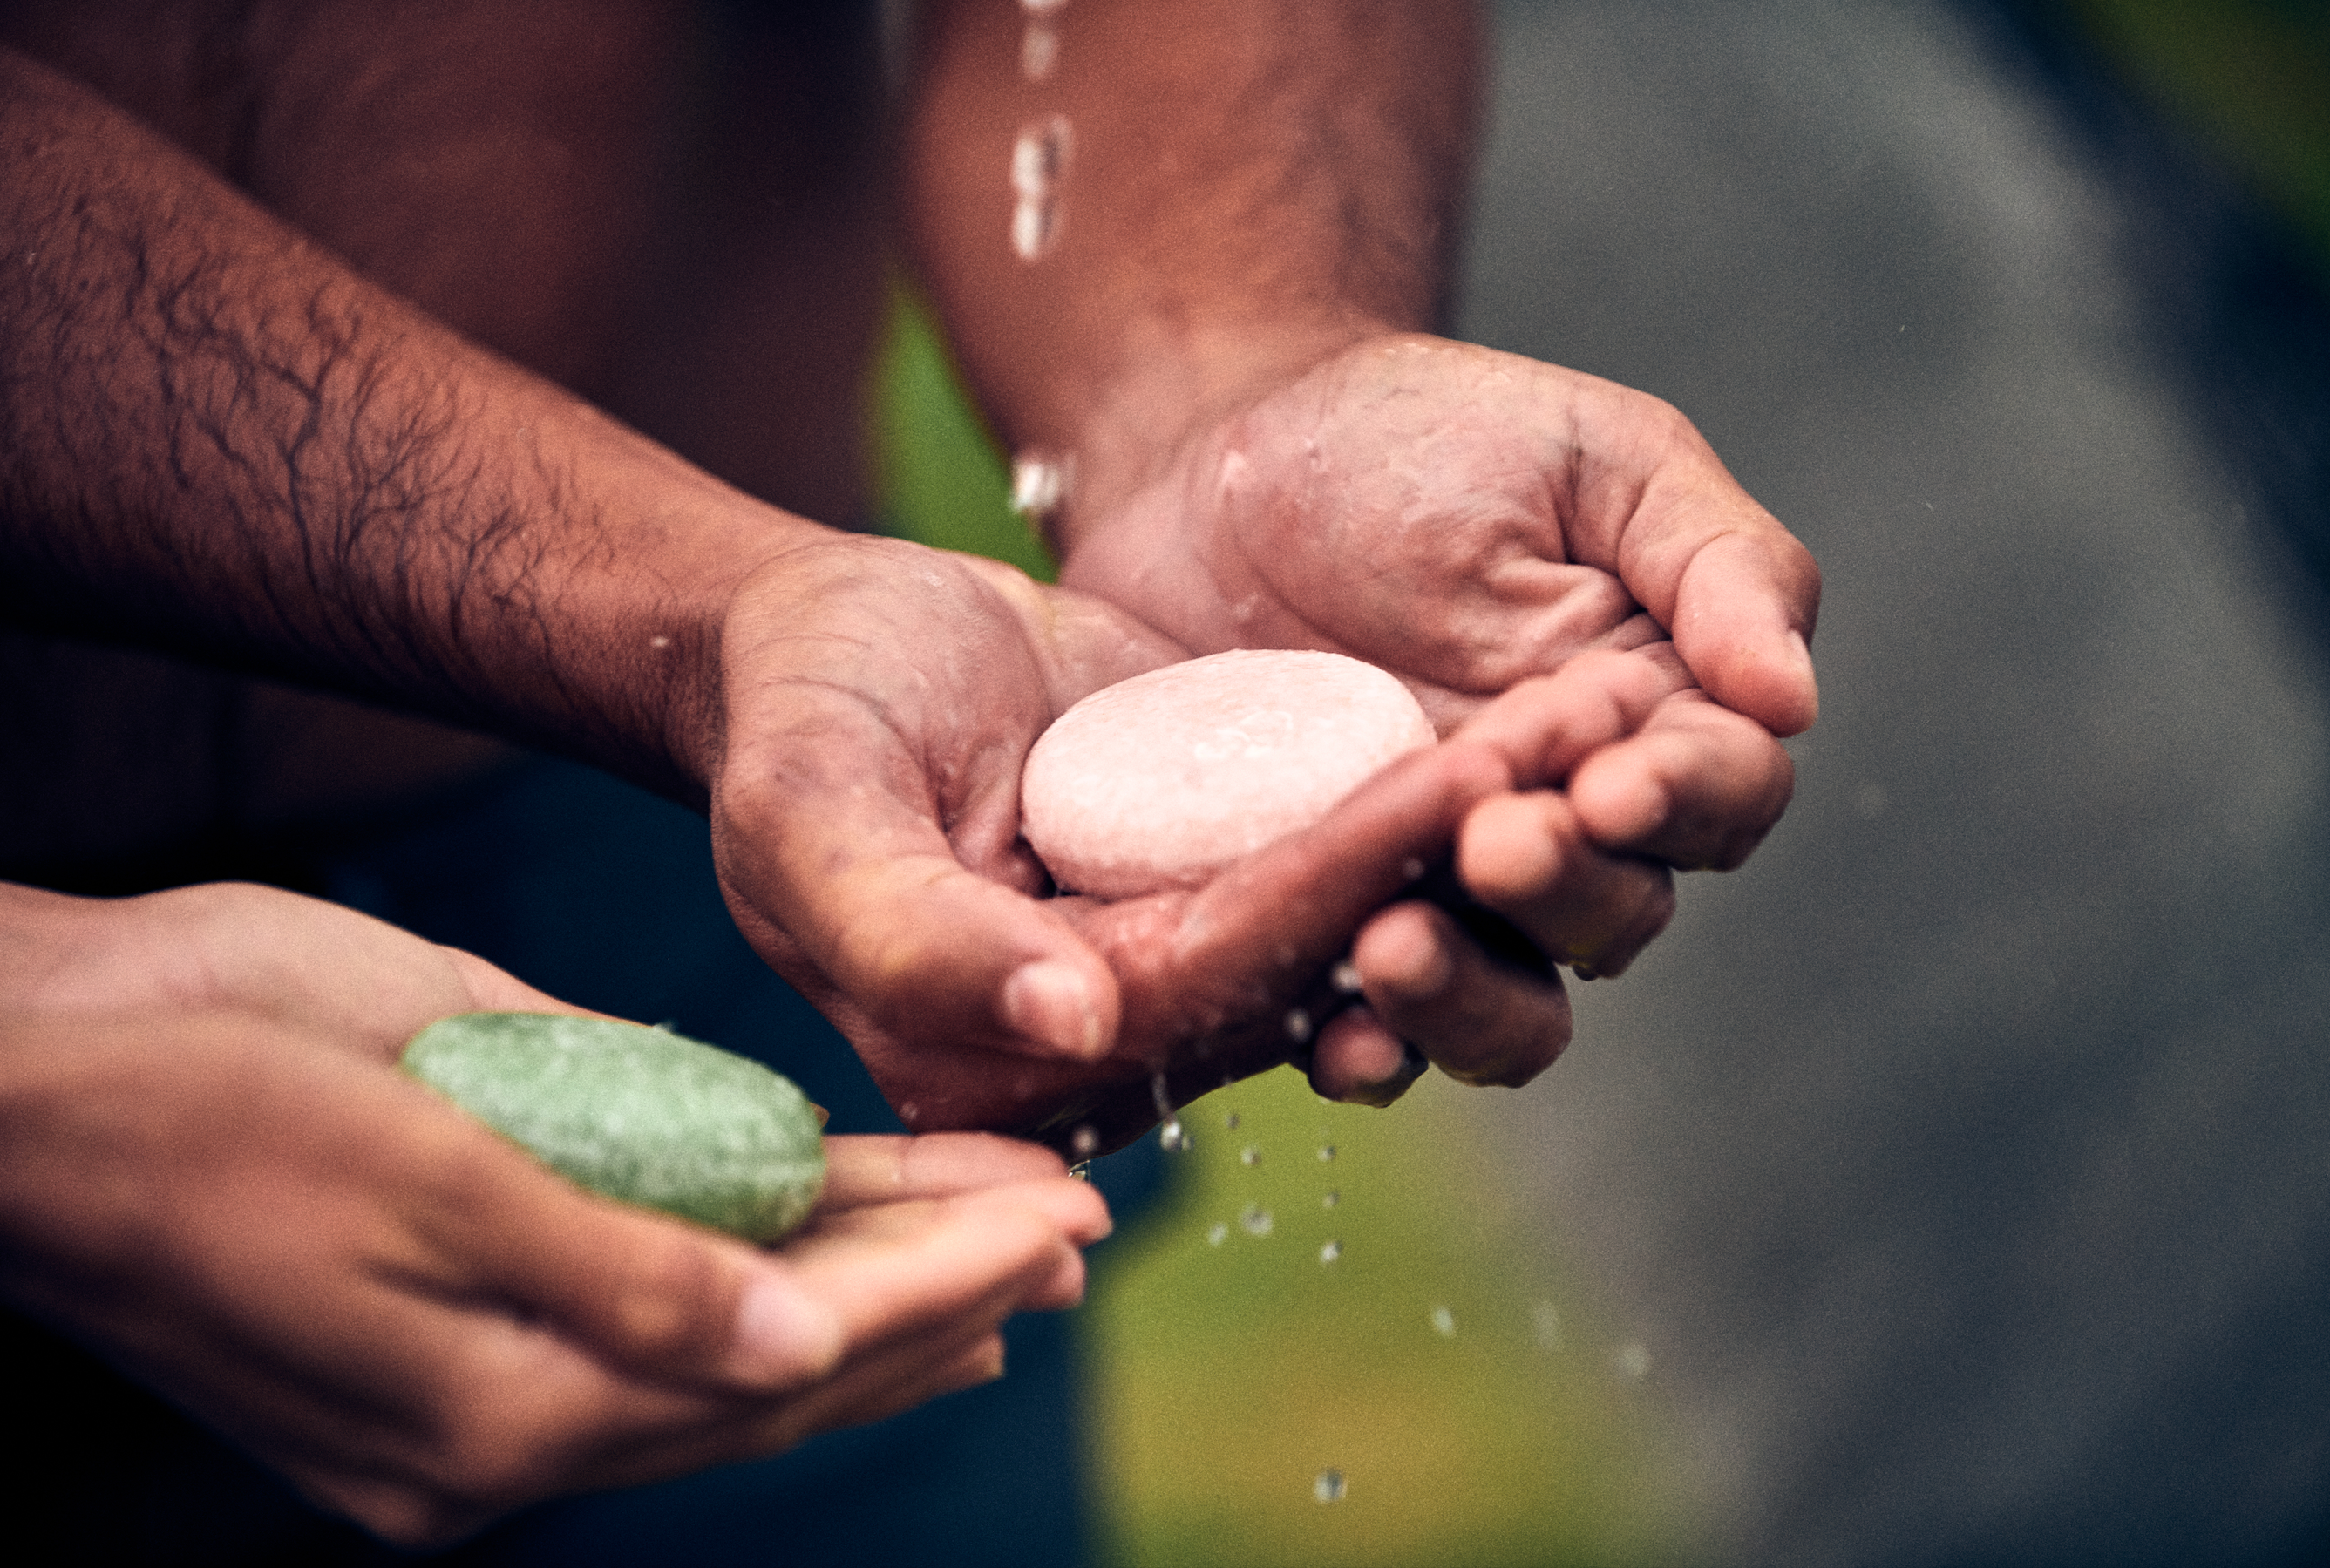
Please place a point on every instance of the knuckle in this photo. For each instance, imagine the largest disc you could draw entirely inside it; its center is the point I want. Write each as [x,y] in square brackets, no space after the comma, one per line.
[667,1306]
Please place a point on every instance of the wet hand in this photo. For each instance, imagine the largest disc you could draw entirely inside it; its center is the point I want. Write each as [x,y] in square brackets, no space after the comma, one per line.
[1465,518]
[238,1200]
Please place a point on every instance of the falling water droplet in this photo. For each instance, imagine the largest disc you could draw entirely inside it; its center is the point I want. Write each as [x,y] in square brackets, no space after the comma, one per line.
[1082,1171]
[1039,483]
[1230,1120]
[1326,1153]
[1298,1025]
[1217,1233]
[1545,1325]
[1250,1156]
[1444,1323]
[1329,1250]
[1328,1488]
[1632,1359]
[1411,868]
[1085,1140]
[1347,979]
[1255,1221]
[1039,50]
[1172,1137]
[1332,1199]
[1039,163]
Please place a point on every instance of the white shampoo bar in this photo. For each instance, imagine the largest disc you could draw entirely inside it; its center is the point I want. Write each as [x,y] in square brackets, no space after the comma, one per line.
[1163,780]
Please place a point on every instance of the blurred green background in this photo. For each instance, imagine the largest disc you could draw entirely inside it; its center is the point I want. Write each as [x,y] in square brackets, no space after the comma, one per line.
[1478,1414]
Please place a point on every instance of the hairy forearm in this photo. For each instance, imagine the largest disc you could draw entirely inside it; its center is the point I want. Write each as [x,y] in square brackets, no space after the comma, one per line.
[215,437]
[1252,184]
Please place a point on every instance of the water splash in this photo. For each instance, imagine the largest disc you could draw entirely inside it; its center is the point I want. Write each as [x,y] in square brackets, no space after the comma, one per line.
[1329,1251]
[1329,1487]
[1039,164]
[1444,1323]
[1256,1220]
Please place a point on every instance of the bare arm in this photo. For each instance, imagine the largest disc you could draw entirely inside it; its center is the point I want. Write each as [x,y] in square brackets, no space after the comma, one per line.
[216,437]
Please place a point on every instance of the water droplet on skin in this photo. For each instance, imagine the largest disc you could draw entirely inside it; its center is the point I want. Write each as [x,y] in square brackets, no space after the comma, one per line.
[1329,1251]
[1444,1323]
[1042,7]
[1039,50]
[1084,1141]
[1326,1153]
[1331,1199]
[1217,1233]
[1346,979]
[658,642]
[1298,1024]
[1632,1359]
[1250,1156]
[1255,1221]
[1545,1325]
[1328,1488]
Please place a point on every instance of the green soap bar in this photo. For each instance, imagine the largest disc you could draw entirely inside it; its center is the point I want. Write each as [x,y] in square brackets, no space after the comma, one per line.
[639,1114]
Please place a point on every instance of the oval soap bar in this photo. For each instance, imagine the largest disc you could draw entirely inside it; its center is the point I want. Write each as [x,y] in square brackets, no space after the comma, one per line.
[1163,780]
[639,1114]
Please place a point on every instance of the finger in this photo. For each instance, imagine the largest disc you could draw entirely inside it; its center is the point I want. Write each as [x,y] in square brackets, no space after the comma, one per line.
[1739,593]
[844,852]
[1546,725]
[1282,913]
[1531,859]
[861,1169]
[1477,1020]
[1698,786]
[492,989]
[639,1289]
[1356,1060]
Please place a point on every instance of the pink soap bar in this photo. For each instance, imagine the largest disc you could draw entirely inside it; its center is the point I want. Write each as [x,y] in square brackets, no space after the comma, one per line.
[1161,781]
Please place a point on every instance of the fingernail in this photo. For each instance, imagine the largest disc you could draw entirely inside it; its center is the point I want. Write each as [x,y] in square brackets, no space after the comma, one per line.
[1801,657]
[1051,1002]
[783,1338]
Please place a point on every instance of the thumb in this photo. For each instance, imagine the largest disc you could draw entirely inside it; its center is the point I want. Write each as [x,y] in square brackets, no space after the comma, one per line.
[861,883]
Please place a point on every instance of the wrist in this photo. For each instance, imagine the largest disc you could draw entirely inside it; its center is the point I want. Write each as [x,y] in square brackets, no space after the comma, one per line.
[1166,389]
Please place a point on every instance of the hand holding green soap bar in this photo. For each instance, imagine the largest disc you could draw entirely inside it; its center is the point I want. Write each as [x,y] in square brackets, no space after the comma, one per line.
[639,1114]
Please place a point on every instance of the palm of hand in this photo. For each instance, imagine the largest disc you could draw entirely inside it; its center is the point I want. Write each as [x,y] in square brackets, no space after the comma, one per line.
[1443,510]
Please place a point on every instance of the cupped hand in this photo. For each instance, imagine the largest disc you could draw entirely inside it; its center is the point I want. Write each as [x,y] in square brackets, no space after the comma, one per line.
[879,702]
[1464,517]
[1559,561]
[217,1180]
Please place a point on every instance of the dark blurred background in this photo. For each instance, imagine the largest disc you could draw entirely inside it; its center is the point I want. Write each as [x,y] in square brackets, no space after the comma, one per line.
[1964,1163]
